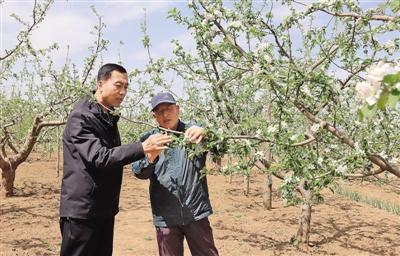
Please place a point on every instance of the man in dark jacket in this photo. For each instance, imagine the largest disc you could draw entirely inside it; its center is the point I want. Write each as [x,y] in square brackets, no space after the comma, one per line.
[178,192]
[93,162]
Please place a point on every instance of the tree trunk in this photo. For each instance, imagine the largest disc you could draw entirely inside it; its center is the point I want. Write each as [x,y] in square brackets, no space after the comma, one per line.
[246,184]
[229,164]
[303,232]
[58,152]
[218,164]
[267,190]
[267,195]
[7,181]
[9,165]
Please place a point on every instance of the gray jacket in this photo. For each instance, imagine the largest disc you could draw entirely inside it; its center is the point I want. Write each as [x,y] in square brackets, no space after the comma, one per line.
[178,195]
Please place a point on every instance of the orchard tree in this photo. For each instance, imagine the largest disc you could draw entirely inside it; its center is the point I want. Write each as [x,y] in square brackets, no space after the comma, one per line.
[283,77]
[40,95]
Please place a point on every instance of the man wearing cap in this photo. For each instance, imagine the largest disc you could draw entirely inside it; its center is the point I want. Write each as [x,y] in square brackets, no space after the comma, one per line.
[178,194]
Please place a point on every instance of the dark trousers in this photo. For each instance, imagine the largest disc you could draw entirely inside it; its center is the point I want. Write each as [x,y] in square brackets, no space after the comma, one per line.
[198,236]
[86,237]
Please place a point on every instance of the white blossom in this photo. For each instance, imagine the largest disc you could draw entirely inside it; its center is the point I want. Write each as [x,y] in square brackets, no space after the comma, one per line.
[383,154]
[294,137]
[290,179]
[259,154]
[390,46]
[376,72]
[208,16]
[368,92]
[204,22]
[267,58]
[341,169]
[356,146]
[306,90]
[218,14]
[256,69]
[262,46]
[314,128]
[271,129]
[334,146]
[234,24]
[326,1]
[370,89]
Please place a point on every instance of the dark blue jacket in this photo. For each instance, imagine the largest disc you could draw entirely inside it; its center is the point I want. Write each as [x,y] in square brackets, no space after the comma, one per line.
[178,192]
[93,161]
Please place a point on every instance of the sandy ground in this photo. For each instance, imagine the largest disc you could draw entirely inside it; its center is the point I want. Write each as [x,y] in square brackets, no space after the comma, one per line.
[29,221]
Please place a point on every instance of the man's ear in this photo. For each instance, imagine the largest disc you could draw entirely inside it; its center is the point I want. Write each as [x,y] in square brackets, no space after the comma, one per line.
[99,85]
[154,115]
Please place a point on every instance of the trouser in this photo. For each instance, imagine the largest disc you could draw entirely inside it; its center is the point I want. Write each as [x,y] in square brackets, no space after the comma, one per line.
[86,237]
[198,235]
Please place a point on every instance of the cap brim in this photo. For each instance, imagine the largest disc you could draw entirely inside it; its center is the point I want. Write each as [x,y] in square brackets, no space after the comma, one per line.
[166,101]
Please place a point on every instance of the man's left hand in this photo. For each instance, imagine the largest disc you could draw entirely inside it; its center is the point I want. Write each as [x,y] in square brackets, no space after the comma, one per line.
[195,134]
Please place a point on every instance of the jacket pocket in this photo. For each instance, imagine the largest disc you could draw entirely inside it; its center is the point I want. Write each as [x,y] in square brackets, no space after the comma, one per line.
[92,185]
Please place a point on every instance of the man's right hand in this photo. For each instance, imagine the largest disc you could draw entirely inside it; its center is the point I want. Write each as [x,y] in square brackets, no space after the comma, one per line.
[153,145]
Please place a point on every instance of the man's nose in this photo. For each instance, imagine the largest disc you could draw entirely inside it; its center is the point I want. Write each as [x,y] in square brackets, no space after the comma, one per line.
[123,91]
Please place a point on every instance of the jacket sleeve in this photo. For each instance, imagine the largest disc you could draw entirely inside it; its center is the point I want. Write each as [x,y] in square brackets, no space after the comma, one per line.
[83,136]
[141,168]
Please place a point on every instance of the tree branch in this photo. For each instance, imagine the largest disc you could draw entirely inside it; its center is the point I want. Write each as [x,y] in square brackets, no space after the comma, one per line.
[363,175]
[331,51]
[359,16]
[376,159]
[303,143]
[35,22]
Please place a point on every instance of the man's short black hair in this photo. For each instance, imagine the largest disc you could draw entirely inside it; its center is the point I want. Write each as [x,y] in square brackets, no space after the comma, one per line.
[106,70]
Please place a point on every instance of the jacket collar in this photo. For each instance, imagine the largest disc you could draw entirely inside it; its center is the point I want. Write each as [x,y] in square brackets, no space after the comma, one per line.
[95,108]
[181,126]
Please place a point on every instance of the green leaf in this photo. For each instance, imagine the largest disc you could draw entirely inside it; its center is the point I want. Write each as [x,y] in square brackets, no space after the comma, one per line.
[393,98]
[392,78]
[367,111]
[383,98]
[395,5]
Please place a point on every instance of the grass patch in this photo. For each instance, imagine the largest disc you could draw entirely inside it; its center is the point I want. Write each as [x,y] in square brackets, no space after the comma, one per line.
[376,203]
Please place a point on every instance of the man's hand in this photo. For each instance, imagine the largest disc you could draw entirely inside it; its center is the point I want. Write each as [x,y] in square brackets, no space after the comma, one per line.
[153,145]
[195,134]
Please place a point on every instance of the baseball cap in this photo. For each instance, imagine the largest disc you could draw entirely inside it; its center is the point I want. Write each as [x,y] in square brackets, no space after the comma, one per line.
[162,97]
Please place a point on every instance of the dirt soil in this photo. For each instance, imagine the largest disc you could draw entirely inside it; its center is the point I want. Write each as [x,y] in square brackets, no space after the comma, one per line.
[29,223]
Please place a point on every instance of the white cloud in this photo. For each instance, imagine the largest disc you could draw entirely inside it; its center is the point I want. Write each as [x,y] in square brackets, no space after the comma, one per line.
[62,25]
[121,12]
[65,28]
